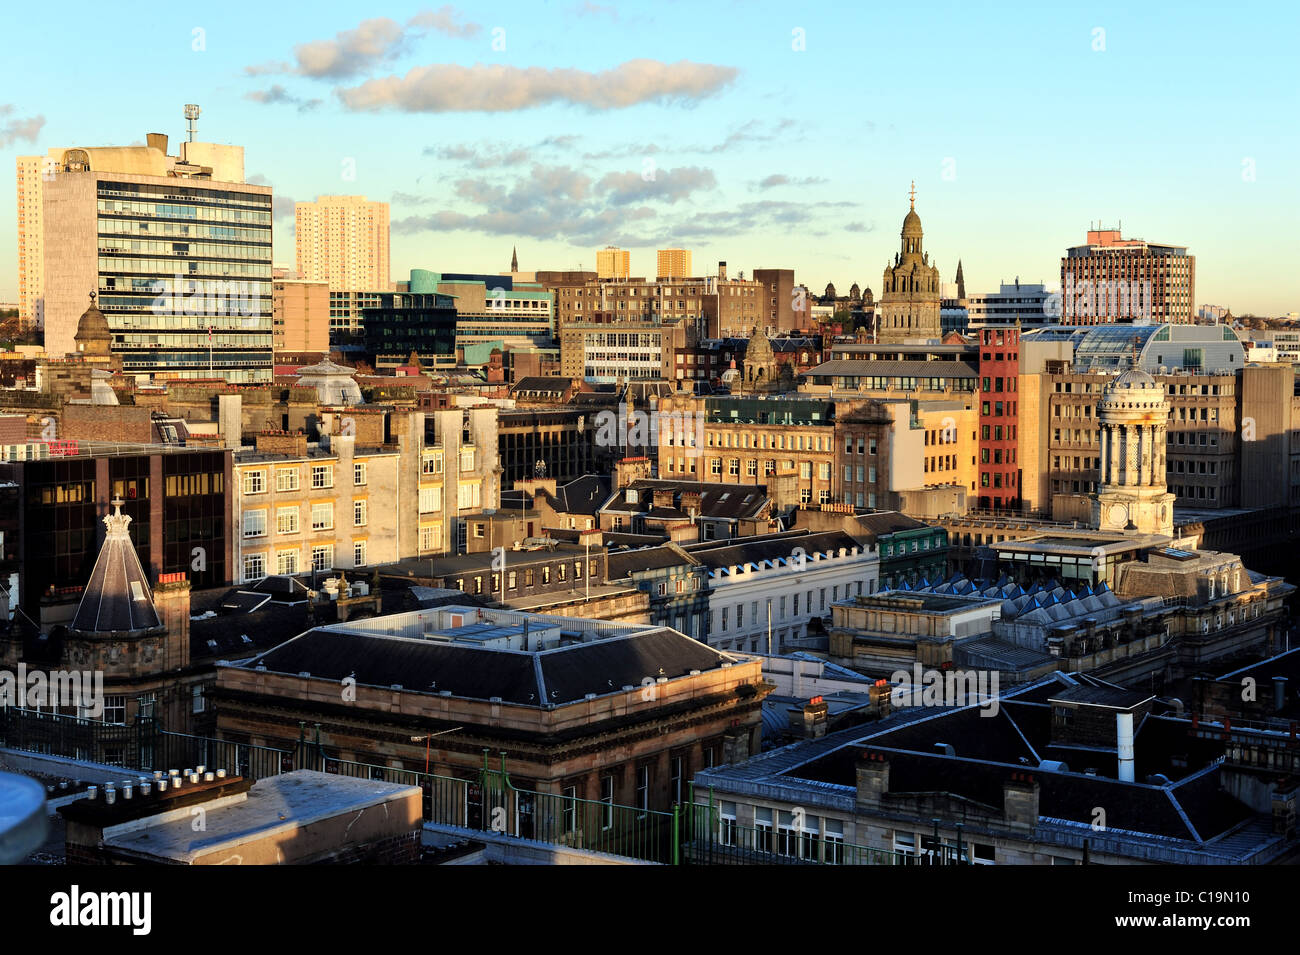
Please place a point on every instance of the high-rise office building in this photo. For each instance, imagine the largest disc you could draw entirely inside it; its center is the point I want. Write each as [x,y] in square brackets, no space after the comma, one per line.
[612,263]
[178,249]
[343,240]
[31,257]
[1014,302]
[1113,279]
[674,264]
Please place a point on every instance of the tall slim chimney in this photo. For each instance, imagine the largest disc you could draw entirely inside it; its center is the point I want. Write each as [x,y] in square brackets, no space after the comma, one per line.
[1124,740]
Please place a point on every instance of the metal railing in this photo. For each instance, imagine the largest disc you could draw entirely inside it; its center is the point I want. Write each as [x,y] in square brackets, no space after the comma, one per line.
[718,840]
[140,746]
[487,801]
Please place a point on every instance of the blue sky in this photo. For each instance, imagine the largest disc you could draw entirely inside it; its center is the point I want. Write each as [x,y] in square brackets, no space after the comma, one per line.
[564,126]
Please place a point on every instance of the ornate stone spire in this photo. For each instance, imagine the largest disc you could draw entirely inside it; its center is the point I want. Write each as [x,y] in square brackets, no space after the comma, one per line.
[514,259]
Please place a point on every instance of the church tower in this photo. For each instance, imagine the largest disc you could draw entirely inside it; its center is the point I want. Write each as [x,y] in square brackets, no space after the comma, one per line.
[908,307]
[1131,494]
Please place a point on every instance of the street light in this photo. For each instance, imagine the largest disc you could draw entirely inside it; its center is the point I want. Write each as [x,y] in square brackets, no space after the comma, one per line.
[426,738]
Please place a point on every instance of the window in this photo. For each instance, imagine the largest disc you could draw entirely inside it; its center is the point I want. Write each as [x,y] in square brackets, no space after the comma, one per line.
[469,495]
[570,810]
[762,829]
[359,473]
[254,523]
[254,482]
[254,567]
[358,513]
[607,797]
[322,557]
[286,562]
[834,842]
[430,500]
[358,553]
[432,463]
[286,520]
[643,789]
[429,537]
[286,479]
[677,783]
[727,824]
[115,709]
[466,460]
[322,515]
[322,475]
[198,704]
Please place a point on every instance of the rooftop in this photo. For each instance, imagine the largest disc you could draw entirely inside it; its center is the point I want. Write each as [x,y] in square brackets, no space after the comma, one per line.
[568,659]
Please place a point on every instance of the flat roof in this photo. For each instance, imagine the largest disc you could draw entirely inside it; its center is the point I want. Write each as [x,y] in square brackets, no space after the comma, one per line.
[286,804]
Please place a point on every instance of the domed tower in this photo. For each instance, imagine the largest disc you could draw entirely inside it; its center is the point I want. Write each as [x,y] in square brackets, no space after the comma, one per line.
[760,361]
[94,339]
[855,294]
[909,301]
[829,297]
[1131,493]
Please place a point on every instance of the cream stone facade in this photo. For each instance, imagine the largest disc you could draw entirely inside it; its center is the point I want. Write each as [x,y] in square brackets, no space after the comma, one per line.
[1134,420]
[908,307]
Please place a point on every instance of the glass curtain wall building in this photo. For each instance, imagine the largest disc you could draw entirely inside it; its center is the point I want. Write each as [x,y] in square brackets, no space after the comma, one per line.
[185,277]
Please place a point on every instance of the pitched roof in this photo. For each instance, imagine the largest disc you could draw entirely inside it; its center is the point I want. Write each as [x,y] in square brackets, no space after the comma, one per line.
[118,597]
[553,677]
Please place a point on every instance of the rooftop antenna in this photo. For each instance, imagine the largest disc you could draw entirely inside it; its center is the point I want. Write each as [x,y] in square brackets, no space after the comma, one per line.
[191,118]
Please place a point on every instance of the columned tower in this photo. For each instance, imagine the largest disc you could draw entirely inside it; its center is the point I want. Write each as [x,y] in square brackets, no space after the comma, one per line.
[1131,491]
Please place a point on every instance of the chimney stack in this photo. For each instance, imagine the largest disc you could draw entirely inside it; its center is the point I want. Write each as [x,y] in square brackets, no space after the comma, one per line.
[1124,743]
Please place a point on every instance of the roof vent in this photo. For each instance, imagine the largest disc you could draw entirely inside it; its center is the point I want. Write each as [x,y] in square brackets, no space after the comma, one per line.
[494,699]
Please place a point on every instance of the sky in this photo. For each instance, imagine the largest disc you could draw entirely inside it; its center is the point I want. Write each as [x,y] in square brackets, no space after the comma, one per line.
[767,135]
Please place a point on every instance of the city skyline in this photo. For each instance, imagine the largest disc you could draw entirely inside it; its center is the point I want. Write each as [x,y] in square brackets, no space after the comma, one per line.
[735,136]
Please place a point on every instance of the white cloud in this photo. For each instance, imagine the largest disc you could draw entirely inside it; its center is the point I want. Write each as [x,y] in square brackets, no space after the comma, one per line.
[443,88]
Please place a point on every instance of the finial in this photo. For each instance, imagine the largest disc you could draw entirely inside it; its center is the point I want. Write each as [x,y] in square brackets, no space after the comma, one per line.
[912,195]
[92,297]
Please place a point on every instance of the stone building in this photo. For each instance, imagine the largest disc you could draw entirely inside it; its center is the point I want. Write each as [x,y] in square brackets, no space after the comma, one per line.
[1133,417]
[908,308]
[581,708]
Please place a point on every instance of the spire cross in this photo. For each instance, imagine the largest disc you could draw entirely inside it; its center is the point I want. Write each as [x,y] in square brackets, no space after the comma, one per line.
[912,195]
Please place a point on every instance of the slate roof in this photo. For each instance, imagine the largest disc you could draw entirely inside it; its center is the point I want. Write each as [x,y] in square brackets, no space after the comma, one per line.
[547,384]
[582,495]
[717,501]
[552,677]
[769,547]
[624,563]
[117,598]
[866,367]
